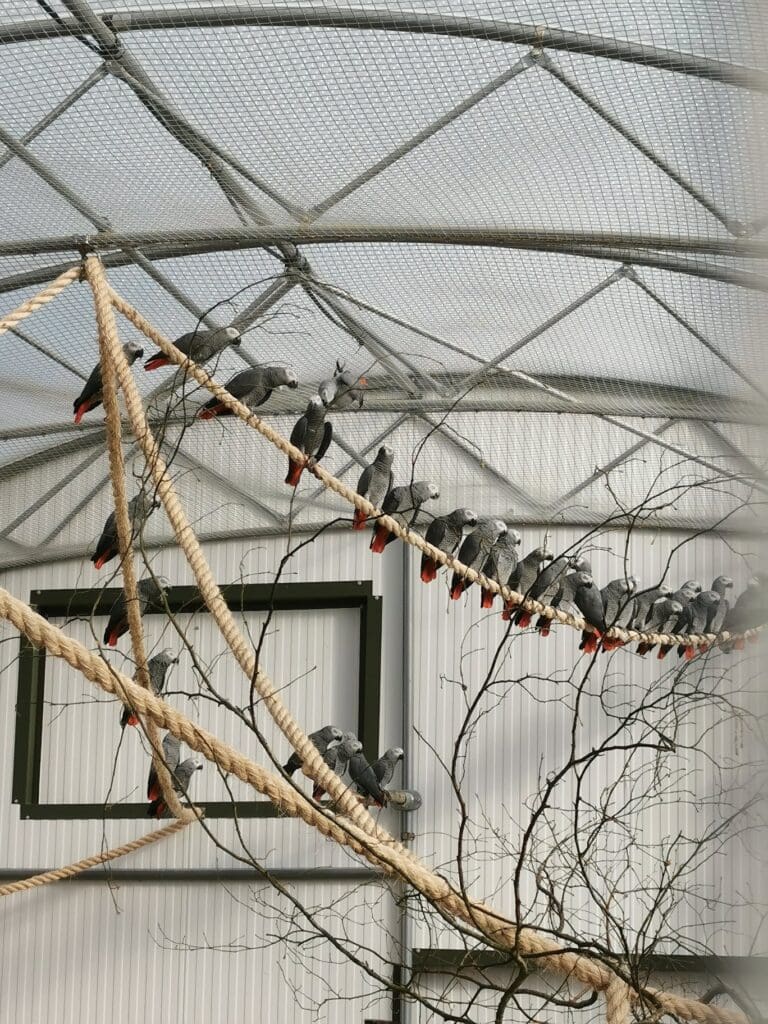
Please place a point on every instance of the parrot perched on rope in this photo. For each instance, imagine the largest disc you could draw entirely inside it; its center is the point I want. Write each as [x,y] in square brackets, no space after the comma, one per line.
[171,754]
[363,775]
[522,577]
[253,387]
[403,505]
[563,593]
[180,777]
[312,435]
[375,483]
[683,596]
[445,533]
[337,756]
[500,564]
[91,396]
[474,551]
[696,614]
[618,607]
[544,586]
[199,346]
[589,601]
[661,618]
[321,738]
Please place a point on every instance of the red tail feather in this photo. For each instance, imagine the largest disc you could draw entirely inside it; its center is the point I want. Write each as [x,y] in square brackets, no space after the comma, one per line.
[486,598]
[507,613]
[133,720]
[590,644]
[208,412]
[690,653]
[359,520]
[113,636]
[545,628]
[103,558]
[379,541]
[457,590]
[160,810]
[81,410]
[153,792]
[295,470]
[663,652]
[156,362]
[524,619]
[428,571]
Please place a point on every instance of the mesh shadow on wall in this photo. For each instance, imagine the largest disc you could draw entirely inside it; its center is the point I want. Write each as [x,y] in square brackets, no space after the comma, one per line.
[285,597]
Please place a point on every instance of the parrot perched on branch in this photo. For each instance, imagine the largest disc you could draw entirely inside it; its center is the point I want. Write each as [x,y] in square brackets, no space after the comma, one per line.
[140,508]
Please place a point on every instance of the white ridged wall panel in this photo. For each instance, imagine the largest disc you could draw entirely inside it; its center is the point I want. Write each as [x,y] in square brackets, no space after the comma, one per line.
[198,953]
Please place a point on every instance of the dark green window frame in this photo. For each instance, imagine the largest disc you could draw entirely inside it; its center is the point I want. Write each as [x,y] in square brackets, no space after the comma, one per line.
[30,700]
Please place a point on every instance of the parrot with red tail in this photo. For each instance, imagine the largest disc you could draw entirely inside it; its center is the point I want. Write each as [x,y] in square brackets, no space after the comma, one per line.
[199,346]
[562,597]
[544,586]
[91,395]
[322,738]
[253,387]
[375,483]
[525,573]
[140,508]
[475,549]
[149,592]
[445,533]
[403,505]
[696,615]
[500,564]
[662,618]
[363,775]
[157,666]
[336,756]
[590,603]
[683,596]
[618,607]
[180,777]
[312,435]
[171,755]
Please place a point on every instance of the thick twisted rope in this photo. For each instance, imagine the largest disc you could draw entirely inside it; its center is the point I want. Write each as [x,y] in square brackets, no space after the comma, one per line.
[512,597]
[46,295]
[207,585]
[25,884]
[105,316]
[384,855]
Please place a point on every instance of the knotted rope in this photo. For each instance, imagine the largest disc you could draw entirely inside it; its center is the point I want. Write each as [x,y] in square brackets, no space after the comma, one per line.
[46,295]
[331,482]
[385,855]
[25,884]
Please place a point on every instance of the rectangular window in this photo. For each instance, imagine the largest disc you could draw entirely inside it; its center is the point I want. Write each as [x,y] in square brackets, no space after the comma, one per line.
[73,760]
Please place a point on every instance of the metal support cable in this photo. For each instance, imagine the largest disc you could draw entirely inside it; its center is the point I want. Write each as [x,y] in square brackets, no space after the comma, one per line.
[43,350]
[735,227]
[421,136]
[68,101]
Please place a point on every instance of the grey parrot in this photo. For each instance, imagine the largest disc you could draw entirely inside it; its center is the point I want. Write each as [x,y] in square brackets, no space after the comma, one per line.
[337,756]
[375,483]
[312,435]
[140,508]
[696,614]
[475,549]
[445,533]
[500,564]
[525,572]
[644,600]
[662,616]
[252,387]
[344,390]
[403,504]
[157,666]
[320,738]
[364,777]
[384,767]
[718,613]
[683,596]
[589,601]
[618,607]
[544,586]
[563,593]
[198,345]
[748,611]
[171,754]
[149,592]
[181,777]
[91,395]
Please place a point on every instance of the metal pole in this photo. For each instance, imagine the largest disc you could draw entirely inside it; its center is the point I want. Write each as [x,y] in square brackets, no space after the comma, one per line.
[439,24]
[23,336]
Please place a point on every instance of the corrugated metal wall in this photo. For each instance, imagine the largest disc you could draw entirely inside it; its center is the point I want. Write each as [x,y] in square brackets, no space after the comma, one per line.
[70,951]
